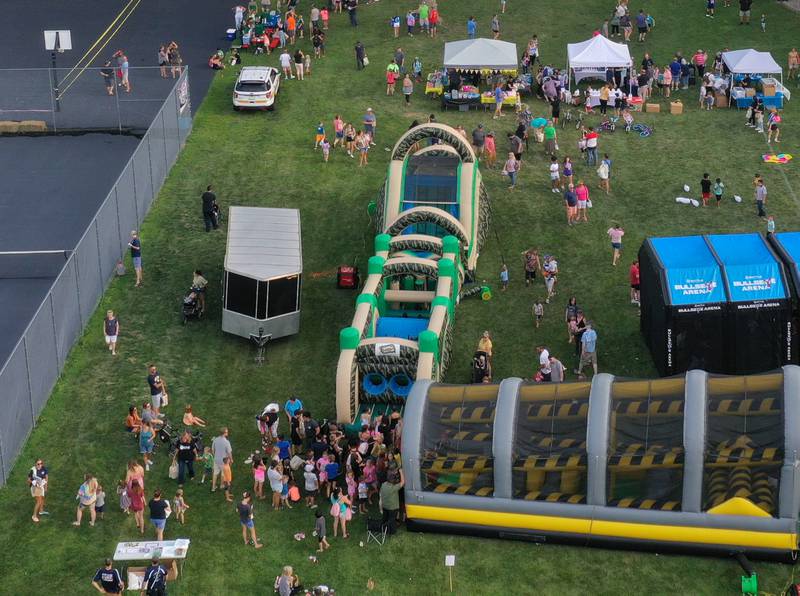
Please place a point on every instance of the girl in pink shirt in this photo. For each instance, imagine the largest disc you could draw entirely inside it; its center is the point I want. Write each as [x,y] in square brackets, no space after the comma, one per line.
[490,149]
[338,129]
[616,233]
[582,192]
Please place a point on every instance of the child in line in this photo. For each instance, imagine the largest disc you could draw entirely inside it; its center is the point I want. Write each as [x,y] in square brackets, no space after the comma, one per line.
[307,63]
[294,492]
[490,149]
[326,150]
[555,177]
[352,486]
[324,15]
[538,312]
[322,462]
[395,22]
[227,478]
[763,23]
[719,188]
[124,499]
[285,492]
[320,135]
[705,187]
[180,506]
[321,532]
[312,486]
[208,464]
[710,6]
[504,277]
[567,171]
[363,495]
[100,502]
[370,474]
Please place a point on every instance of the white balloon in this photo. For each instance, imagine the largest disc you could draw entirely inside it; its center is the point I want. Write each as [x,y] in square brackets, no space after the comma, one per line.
[737,198]
[686,188]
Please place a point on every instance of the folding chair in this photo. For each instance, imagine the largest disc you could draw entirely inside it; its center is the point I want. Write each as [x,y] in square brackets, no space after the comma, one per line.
[376,531]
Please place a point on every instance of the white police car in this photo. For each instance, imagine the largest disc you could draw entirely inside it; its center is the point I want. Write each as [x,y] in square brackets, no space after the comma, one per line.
[256,88]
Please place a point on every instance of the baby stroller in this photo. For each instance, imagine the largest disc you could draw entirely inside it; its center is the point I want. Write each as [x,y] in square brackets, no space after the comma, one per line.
[481,367]
[191,307]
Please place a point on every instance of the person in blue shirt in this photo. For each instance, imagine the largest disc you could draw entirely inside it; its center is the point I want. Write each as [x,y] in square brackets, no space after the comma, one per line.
[136,255]
[155,579]
[107,580]
[293,407]
[588,350]
[675,70]
[472,28]
[332,473]
[499,96]
[284,448]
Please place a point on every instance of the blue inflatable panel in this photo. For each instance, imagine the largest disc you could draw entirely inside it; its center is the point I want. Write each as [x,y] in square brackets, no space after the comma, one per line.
[693,273]
[400,385]
[374,384]
[753,272]
[402,327]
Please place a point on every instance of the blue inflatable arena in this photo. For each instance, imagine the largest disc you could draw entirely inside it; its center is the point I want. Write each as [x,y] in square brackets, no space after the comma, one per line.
[720,303]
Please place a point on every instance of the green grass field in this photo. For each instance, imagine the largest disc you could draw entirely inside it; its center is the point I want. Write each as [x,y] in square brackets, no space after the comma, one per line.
[267,160]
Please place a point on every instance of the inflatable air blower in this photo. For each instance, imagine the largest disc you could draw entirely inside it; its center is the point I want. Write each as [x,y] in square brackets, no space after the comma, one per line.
[486,293]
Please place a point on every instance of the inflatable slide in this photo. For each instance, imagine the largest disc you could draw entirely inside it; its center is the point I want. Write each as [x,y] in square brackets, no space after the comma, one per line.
[433,215]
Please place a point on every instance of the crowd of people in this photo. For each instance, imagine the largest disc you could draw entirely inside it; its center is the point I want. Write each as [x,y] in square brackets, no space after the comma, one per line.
[341,475]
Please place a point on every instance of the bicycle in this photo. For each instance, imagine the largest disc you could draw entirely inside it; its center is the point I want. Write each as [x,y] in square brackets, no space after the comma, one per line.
[609,124]
[567,117]
[579,121]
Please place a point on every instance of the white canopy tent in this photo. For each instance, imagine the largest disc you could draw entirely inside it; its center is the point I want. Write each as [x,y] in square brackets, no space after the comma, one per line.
[591,58]
[752,61]
[480,54]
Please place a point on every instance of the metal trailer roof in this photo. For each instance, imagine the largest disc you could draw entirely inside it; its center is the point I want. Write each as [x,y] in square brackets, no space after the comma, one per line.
[264,243]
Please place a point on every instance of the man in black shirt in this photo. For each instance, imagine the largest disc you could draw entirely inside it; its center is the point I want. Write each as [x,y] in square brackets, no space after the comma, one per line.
[209,209]
[187,453]
[744,11]
[158,389]
[107,580]
[311,428]
[155,580]
[107,72]
[361,53]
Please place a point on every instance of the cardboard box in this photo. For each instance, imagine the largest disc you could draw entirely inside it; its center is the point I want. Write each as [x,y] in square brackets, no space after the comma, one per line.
[652,107]
[676,107]
[769,90]
[749,92]
[721,100]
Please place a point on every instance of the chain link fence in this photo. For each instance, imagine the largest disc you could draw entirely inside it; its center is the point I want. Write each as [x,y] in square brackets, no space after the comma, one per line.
[33,367]
[91,99]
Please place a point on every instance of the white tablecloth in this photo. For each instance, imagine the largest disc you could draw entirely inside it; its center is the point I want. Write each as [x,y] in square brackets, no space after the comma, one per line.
[140,551]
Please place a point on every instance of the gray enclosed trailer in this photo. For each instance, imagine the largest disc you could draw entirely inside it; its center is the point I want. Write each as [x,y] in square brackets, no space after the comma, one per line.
[263,271]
